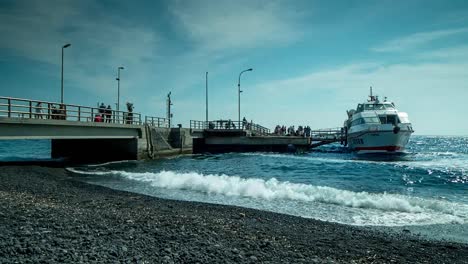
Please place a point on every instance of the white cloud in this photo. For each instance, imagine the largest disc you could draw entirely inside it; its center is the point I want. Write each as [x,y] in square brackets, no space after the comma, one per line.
[217,25]
[432,93]
[457,53]
[37,30]
[417,39]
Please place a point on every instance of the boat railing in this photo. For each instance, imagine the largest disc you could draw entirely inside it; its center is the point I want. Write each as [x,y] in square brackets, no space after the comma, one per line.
[11,107]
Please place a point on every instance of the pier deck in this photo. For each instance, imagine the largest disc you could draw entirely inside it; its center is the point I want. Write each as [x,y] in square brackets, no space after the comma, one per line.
[223,136]
[90,133]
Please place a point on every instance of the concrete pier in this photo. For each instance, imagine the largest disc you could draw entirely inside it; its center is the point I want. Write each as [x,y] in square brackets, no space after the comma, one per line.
[98,142]
[222,141]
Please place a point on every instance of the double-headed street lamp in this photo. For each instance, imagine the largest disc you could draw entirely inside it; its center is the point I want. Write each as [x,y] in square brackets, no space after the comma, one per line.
[118,86]
[63,47]
[238,86]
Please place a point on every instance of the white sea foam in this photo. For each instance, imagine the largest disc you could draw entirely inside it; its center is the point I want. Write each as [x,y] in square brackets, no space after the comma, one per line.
[273,189]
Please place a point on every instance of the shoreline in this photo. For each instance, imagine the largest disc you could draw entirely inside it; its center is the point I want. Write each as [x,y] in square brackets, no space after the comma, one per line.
[45,214]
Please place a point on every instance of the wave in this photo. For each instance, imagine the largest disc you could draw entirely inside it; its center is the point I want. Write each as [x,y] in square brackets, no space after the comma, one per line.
[456,168]
[273,189]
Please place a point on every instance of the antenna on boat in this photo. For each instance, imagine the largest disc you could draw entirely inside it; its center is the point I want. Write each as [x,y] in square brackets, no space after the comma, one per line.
[371,96]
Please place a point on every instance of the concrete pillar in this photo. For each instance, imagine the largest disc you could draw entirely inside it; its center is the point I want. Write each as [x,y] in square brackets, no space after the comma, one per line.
[95,150]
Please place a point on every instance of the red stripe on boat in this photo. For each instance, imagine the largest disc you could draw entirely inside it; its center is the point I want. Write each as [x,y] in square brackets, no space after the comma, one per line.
[387,148]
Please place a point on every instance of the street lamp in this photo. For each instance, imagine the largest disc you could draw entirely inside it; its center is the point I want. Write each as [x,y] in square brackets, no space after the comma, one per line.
[63,47]
[206,87]
[118,86]
[238,86]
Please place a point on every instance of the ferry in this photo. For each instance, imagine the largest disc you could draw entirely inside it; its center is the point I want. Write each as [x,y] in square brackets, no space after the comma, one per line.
[377,127]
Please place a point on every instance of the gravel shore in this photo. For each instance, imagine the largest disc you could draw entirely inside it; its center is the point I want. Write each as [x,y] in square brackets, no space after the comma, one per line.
[47,216]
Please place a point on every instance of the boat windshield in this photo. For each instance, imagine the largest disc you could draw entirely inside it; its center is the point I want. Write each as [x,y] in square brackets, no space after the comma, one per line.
[372,107]
[389,107]
[371,120]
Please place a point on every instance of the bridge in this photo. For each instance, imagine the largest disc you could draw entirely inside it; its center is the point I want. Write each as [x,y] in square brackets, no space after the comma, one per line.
[90,133]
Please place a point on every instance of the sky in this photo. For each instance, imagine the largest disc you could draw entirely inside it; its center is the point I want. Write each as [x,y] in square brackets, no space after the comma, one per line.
[311,60]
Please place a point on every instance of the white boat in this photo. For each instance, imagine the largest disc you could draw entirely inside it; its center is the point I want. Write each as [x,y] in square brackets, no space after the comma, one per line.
[377,127]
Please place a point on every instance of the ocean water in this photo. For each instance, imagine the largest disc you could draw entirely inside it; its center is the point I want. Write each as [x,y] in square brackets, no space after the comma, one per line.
[425,191]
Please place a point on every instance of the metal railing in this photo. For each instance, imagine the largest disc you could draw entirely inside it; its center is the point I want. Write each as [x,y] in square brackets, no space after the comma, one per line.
[24,108]
[328,133]
[229,125]
[156,121]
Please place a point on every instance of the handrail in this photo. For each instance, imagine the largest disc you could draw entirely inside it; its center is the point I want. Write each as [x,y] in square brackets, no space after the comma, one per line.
[25,108]
[229,125]
[156,121]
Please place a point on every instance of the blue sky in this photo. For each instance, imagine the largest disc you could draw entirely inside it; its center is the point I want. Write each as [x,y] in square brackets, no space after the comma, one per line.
[312,60]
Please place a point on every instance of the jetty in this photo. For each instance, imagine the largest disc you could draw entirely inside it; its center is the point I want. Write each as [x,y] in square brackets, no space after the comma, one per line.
[93,134]
[221,136]
[90,134]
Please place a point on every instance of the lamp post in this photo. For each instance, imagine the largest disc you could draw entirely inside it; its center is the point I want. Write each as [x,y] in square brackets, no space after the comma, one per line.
[118,87]
[63,47]
[169,114]
[239,90]
[206,98]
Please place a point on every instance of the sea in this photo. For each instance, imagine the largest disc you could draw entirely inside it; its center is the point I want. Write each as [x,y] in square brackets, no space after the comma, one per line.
[424,191]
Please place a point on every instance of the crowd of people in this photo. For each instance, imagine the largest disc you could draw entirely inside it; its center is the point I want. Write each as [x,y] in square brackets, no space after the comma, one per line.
[105,113]
[301,131]
[59,113]
[229,124]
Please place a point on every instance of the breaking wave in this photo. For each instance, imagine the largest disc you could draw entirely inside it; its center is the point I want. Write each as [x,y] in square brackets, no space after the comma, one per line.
[273,189]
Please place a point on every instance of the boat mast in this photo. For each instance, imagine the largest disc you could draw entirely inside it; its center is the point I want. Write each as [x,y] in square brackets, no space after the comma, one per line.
[371,96]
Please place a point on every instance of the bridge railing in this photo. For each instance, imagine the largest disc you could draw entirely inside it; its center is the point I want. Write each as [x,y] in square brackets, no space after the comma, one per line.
[156,121]
[24,108]
[229,125]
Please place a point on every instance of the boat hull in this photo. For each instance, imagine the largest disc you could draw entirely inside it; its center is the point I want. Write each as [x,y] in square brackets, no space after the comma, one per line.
[379,141]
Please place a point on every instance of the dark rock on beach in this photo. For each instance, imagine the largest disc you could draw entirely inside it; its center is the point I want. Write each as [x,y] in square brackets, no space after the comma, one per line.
[47,216]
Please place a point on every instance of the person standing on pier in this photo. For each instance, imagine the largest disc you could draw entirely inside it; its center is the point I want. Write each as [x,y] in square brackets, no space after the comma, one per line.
[108,114]
[39,110]
[62,112]
[102,110]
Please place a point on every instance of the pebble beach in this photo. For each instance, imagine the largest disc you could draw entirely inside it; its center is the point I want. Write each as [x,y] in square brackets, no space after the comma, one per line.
[48,216]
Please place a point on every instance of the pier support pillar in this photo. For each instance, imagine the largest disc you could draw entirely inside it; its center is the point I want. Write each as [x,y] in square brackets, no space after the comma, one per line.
[95,150]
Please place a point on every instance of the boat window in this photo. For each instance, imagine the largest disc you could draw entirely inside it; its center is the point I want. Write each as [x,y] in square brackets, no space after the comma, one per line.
[392,119]
[360,108]
[389,119]
[383,119]
[379,107]
[371,120]
[389,107]
[358,121]
[369,107]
